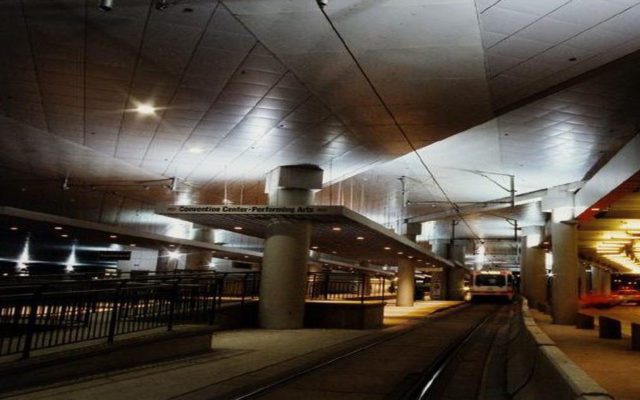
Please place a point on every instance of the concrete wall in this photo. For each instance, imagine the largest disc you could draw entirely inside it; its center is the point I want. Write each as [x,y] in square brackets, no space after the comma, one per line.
[538,369]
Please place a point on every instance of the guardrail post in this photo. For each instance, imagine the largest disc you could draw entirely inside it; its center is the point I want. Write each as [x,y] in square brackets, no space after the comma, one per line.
[115,311]
[325,286]
[173,298]
[31,323]
[213,290]
[244,288]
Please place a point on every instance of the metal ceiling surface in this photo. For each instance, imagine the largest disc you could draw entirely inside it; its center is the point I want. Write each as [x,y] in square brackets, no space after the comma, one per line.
[243,86]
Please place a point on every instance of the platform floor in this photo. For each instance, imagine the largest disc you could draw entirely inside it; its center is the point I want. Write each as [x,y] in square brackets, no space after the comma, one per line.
[610,362]
[254,353]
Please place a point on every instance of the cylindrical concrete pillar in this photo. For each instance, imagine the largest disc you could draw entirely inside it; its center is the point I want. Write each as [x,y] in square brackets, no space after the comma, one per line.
[283,277]
[537,277]
[564,296]
[605,281]
[286,248]
[524,269]
[455,283]
[406,283]
[198,260]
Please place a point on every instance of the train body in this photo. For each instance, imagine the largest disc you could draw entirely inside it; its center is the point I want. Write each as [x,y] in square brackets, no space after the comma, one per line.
[497,284]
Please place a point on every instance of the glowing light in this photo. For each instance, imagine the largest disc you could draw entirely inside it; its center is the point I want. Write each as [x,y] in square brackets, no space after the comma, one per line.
[113,236]
[336,228]
[314,247]
[400,253]
[174,255]
[387,248]
[359,238]
[132,244]
[24,256]
[71,261]
[196,150]
[145,109]
[64,235]
[14,228]
[57,228]
[237,228]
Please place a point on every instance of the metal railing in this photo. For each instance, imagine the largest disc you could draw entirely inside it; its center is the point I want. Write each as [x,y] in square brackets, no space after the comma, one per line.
[47,318]
[347,287]
[37,314]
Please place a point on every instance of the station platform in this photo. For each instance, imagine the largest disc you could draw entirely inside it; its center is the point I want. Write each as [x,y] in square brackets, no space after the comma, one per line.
[609,362]
[238,357]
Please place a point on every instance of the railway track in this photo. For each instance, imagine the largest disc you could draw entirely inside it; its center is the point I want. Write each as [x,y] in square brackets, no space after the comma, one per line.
[447,357]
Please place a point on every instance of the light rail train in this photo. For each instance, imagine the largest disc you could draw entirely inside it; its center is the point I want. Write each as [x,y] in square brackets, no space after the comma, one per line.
[491,284]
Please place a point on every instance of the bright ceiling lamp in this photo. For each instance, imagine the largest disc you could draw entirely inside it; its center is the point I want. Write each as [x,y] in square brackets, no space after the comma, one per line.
[624,262]
[145,109]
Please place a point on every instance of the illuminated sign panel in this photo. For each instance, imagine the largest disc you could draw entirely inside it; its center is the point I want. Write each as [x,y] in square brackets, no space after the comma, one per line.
[253,209]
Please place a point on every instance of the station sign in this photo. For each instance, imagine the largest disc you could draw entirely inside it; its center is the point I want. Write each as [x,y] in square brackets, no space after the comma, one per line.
[252,210]
[114,255]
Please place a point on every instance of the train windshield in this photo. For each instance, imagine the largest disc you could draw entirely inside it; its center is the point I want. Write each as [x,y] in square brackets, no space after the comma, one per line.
[491,280]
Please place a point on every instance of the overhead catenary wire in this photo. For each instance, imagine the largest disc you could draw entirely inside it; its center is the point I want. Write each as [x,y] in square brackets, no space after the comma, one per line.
[396,123]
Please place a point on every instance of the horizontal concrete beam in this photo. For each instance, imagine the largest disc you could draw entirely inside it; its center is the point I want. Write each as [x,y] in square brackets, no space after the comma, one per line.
[622,167]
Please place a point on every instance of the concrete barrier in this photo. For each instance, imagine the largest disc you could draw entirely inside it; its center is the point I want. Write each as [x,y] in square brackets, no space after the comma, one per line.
[538,369]
[584,321]
[609,328]
[85,361]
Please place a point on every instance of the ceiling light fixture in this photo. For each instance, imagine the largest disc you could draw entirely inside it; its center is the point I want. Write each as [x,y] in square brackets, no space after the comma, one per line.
[314,247]
[132,245]
[237,228]
[336,228]
[14,228]
[64,235]
[105,5]
[57,228]
[145,109]
[113,236]
[387,248]
[196,150]
[359,238]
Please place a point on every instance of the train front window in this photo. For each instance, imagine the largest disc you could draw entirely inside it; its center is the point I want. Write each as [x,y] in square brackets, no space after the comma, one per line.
[491,280]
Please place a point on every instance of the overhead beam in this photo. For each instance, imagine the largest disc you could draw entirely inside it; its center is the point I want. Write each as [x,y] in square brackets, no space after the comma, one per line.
[618,177]
[492,205]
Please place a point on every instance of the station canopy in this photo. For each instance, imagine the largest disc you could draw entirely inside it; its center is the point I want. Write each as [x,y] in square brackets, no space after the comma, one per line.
[335,230]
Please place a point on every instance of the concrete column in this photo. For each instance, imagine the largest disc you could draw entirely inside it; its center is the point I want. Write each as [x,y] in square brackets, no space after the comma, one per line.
[524,270]
[596,280]
[286,248]
[564,296]
[198,260]
[537,277]
[533,275]
[455,275]
[605,282]
[284,274]
[406,283]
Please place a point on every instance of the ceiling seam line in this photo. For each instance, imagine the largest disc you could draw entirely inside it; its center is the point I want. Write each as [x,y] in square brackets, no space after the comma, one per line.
[84,74]
[133,76]
[393,117]
[36,70]
[564,41]
[211,107]
[284,74]
[336,115]
[180,81]
[529,24]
